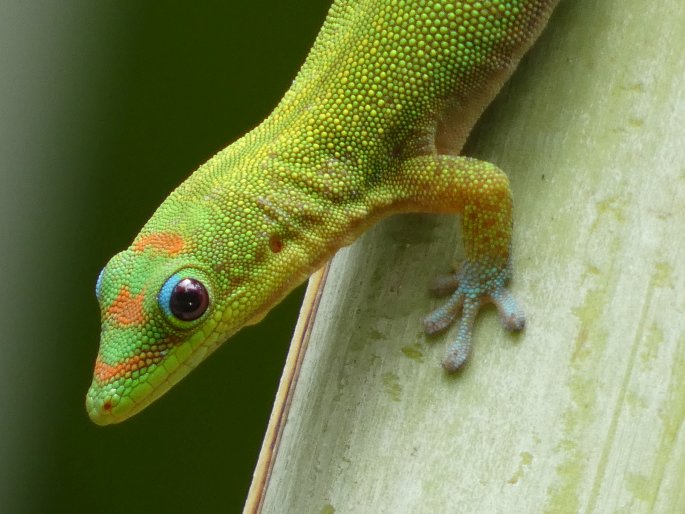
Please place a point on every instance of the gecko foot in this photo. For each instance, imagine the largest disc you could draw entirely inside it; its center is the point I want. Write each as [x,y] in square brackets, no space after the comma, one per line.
[474,285]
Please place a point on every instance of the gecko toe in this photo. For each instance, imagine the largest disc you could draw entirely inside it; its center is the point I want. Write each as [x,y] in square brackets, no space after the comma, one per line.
[445,284]
[459,350]
[510,312]
[444,316]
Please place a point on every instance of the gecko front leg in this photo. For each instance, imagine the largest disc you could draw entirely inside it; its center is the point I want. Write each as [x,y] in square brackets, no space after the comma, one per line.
[480,192]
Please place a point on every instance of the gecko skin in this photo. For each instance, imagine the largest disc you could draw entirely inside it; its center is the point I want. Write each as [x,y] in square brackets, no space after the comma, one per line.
[372,125]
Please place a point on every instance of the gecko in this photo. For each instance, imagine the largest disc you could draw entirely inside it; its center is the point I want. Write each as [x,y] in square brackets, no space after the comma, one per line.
[372,125]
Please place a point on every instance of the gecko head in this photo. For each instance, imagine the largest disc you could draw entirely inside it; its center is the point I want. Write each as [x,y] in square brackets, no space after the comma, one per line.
[159,319]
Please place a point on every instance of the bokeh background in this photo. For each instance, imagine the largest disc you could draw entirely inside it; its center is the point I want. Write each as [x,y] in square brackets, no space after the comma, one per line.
[104,108]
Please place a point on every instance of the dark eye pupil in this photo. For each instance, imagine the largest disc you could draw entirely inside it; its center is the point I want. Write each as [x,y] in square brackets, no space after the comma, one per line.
[189,300]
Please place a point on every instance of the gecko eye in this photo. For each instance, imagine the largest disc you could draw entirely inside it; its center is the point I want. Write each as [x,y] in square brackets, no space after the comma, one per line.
[184,298]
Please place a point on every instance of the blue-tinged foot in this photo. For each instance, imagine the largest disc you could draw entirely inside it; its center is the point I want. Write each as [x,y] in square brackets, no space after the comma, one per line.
[474,285]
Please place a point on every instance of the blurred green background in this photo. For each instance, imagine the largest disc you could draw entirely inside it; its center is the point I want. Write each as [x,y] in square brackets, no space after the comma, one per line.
[104,108]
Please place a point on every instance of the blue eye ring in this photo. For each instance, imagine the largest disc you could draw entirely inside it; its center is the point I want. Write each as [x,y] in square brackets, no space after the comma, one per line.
[183,298]
[98,284]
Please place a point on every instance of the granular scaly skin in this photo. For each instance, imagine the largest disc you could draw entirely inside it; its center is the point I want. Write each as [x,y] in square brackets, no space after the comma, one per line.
[372,125]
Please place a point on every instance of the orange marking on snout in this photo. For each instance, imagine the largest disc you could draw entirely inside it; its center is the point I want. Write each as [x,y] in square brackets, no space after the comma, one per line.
[127,309]
[106,372]
[164,242]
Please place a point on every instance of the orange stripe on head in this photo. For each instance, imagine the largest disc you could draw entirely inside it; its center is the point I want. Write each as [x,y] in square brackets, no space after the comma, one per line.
[127,309]
[163,242]
[106,372]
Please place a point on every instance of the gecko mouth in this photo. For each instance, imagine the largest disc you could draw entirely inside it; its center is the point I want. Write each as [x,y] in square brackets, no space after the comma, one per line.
[106,407]
[116,399]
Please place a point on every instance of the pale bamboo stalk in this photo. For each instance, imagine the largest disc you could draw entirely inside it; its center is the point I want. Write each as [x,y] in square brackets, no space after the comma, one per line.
[585,411]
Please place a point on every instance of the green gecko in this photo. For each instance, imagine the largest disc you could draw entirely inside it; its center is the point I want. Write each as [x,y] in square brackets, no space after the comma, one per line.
[373,125]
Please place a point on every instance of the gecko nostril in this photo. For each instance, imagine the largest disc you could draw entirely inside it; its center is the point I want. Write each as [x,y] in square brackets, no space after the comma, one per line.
[107,406]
